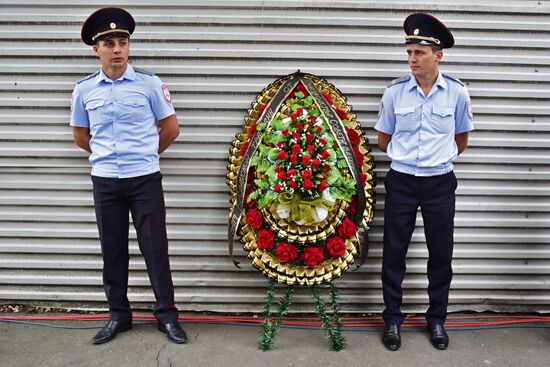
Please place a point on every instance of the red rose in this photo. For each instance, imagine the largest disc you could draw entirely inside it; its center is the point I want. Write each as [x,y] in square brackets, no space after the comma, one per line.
[300,110]
[328,98]
[262,108]
[336,247]
[280,144]
[278,169]
[312,118]
[322,142]
[291,173]
[296,136]
[251,175]
[286,253]
[316,163]
[281,176]
[300,88]
[282,155]
[254,219]
[352,209]
[292,184]
[252,130]
[306,160]
[312,256]
[342,114]
[325,154]
[294,158]
[307,173]
[294,116]
[277,188]
[266,239]
[307,184]
[244,148]
[251,203]
[347,229]
[296,148]
[300,126]
[311,149]
[285,132]
[322,185]
[359,156]
[326,167]
[309,137]
[353,136]
[319,129]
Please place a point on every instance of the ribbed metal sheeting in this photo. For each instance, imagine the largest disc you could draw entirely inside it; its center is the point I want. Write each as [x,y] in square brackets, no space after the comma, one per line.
[216,56]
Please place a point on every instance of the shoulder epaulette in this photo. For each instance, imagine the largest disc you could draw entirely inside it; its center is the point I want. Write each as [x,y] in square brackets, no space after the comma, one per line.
[87,77]
[453,79]
[143,71]
[403,79]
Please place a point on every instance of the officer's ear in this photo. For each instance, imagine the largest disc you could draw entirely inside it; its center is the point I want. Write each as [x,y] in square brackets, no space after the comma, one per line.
[95,48]
[438,55]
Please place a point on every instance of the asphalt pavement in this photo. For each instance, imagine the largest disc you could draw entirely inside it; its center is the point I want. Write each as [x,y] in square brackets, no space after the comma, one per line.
[236,346]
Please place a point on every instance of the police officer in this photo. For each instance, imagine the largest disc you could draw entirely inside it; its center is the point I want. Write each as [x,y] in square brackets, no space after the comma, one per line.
[116,116]
[423,126]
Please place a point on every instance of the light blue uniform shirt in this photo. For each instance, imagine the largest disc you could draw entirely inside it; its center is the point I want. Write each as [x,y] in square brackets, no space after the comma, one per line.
[423,128]
[122,117]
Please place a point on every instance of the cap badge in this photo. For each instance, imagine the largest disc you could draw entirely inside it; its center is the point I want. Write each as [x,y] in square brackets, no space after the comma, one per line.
[416,32]
[112,25]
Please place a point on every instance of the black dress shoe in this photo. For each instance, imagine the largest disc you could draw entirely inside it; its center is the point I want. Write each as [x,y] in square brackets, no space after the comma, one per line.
[439,337]
[110,330]
[173,331]
[392,337]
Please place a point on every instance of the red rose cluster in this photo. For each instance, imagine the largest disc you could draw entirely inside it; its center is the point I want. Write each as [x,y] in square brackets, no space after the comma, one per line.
[303,163]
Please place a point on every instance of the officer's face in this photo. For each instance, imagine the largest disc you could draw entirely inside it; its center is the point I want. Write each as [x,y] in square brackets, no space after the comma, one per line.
[113,52]
[423,61]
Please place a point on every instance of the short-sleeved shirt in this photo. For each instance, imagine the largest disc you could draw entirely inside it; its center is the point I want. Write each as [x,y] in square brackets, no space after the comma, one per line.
[122,117]
[423,128]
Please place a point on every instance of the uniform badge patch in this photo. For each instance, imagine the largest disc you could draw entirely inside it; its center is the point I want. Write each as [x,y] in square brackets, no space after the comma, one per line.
[166,93]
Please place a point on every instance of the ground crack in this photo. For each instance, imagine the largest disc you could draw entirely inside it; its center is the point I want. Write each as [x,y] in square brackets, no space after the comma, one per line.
[158,355]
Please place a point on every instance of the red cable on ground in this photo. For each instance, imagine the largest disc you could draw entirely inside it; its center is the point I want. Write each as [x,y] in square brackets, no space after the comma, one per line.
[349,322]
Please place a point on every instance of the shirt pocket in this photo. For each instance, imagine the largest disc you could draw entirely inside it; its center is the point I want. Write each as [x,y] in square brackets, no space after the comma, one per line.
[97,112]
[135,109]
[443,118]
[404,118]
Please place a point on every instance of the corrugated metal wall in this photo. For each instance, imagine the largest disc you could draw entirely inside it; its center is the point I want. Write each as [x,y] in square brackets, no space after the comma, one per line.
[216,56]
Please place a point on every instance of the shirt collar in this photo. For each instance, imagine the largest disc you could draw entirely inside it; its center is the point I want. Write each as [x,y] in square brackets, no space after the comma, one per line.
[440,82]
[129,74]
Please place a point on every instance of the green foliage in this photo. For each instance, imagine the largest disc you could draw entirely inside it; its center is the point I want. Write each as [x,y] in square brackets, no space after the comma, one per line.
[331,326]
[278,124]
[271,328]
[299,95]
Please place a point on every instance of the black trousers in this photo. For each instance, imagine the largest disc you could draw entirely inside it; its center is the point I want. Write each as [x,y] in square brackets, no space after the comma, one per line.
[143,197]
[436,198]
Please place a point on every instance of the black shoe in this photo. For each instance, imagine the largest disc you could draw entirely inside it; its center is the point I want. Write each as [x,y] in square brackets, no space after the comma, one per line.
[439,337]
[392,337]
[173,331]
[110,330]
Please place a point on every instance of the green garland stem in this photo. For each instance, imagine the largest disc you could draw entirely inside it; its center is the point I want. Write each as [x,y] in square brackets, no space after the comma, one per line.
[333,333]
[271,328]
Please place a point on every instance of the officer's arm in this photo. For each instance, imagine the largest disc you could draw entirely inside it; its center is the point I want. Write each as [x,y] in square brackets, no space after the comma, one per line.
[169,131]
[383,141]
[461,141]
[81,136]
